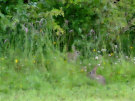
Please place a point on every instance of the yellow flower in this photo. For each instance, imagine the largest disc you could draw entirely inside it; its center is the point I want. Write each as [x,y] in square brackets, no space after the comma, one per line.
[16,61]
[94,50]
[54,43]
[111,54]
[82,70]
[104,63]
[131,47]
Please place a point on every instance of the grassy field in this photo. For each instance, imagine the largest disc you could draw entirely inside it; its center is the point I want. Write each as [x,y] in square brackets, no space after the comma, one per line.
[111,92]
[61,84]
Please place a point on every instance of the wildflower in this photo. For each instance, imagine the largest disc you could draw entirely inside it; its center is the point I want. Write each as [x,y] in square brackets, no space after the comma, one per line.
[99,64]
[115,46]
[92,31]
[104,63]
[85,69]
[111,54]
[126,57]
[71,31]
[103,50]
[54,43]
[82,70]
[94,50]
[5,40]
[131,47]
[115,63]
[16,61]
[96,57]
[99,52]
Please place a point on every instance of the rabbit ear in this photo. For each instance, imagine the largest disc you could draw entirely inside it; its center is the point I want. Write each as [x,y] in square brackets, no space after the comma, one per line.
[73,48]
[95,69]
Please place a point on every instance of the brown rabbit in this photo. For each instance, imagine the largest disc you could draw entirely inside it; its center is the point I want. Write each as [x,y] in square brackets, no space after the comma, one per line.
[98,78]
[74,55]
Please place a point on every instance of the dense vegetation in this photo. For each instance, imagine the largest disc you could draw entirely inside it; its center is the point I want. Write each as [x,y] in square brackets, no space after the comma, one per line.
[37,35]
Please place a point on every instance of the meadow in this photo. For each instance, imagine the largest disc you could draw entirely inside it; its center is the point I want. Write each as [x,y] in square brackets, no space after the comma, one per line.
[37,36]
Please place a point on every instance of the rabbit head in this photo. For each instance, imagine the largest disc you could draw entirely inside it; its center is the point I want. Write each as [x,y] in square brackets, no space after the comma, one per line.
[76,53]
[92,73]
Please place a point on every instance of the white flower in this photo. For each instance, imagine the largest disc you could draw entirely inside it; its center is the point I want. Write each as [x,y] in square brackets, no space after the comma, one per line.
[99,64]
[70,31]
[126,57]
[99,52]
[109,54]
[115,46]
[96,57]
[103,50]
[115,63]
[85,68]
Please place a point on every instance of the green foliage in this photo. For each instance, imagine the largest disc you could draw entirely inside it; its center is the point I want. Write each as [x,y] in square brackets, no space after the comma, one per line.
[80,22]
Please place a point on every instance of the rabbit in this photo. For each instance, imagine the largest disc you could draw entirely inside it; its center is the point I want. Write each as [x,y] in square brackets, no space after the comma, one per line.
[98,78]
[74,55]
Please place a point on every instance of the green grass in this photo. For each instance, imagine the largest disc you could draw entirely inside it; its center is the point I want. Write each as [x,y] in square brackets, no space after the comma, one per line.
[111,92]
[64,81]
